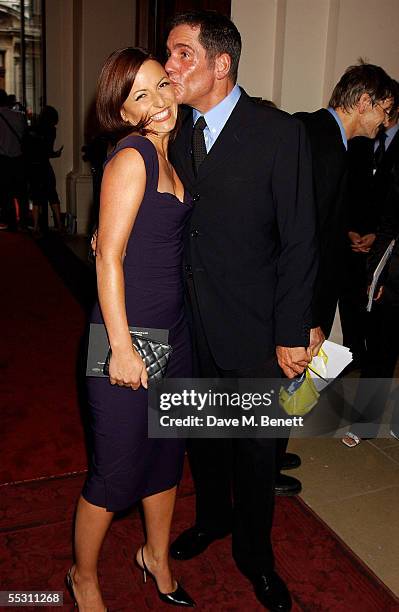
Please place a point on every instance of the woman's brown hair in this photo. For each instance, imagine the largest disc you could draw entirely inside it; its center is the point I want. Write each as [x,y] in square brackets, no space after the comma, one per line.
[114,85]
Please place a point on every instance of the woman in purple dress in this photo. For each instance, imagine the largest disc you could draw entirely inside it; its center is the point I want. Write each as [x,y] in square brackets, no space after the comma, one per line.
[143,210]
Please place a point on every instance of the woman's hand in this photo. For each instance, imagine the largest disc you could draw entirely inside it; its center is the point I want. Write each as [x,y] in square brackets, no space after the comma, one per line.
[127,369]
[58,152]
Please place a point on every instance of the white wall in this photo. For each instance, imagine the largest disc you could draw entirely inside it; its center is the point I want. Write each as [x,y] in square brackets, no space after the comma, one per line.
[258,55]
[294,51]
[80,35]
[59,48]
[369,29]
[306,26]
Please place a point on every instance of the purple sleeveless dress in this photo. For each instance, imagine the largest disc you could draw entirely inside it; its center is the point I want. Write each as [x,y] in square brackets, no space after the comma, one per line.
[126,465]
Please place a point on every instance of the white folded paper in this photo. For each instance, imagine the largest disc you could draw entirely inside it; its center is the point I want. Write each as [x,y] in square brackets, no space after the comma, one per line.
[324,368]
[377,273]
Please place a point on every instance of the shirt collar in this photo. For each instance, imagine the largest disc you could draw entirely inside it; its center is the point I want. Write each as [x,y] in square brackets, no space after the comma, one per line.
[389,136]
[340,125]
[390,132]
[217,117]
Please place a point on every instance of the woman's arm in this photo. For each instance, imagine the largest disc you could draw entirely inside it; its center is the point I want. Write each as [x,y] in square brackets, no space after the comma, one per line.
[49,136]
[122,191]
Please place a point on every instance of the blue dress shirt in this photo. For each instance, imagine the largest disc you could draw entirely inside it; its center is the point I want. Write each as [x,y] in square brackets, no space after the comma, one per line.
[340,125]
[390,132]
[217,117]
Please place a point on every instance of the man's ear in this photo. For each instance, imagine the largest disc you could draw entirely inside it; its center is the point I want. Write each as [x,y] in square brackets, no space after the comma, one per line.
[364,103]
[222,65]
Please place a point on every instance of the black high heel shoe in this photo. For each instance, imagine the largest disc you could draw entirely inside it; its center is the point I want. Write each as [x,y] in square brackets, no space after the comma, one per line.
[178,597]
[69,586]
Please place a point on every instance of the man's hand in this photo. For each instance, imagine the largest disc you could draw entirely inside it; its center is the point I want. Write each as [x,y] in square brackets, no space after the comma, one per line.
[354,237]
[367,240]
[292,360]
[379,294]
[316,340]
[364,244]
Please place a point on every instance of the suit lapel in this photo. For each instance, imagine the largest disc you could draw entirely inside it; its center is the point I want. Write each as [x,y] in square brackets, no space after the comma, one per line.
[225,145]
[181,149]
[228,140]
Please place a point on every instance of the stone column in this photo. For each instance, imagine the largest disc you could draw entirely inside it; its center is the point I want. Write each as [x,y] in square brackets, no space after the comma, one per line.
[91,31]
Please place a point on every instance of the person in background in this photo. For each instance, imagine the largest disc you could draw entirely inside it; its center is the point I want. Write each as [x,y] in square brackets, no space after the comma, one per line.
[360,104]
[381,326]
[382,330]
[371,164]
[12,175]
[42,181]
[14,104]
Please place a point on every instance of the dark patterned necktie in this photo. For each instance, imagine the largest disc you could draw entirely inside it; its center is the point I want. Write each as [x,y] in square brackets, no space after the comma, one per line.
[380,150]
[198,143]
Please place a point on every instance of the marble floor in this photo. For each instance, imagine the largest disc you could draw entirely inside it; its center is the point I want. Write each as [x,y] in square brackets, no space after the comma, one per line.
[356,492]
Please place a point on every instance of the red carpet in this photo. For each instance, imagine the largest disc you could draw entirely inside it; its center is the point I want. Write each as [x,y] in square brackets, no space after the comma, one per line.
[323,575]
[42,437]
[41,326]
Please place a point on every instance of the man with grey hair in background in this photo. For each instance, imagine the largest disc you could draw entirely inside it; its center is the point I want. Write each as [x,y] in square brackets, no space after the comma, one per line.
[360,104]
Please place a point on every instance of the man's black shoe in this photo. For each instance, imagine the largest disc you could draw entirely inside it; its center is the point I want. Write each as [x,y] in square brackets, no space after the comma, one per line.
[193,542]
[272,592]
[290,461]
[287,485]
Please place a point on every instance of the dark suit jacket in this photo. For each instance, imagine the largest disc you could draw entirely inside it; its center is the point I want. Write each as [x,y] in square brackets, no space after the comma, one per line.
[386,174]
[363,211]
[329,159]
[250,243]
[367,192]
[388,230]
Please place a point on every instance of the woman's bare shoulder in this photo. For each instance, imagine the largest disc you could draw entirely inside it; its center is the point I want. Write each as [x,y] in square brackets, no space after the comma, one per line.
[128,160]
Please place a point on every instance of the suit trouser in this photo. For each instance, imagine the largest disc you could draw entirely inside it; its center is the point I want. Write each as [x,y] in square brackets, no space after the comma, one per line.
[234,478]
[379,367]
[352,304]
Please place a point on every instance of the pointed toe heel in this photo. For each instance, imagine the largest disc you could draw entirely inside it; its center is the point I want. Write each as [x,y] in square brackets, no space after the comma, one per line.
[178,597]
[69,586]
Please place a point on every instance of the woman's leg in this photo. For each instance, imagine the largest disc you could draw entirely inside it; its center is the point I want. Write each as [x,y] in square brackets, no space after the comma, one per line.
[36,217]
[158,512]
[91,526]
[56,209]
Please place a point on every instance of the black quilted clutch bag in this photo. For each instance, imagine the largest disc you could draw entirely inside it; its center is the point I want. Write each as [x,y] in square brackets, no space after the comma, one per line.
[154,354]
